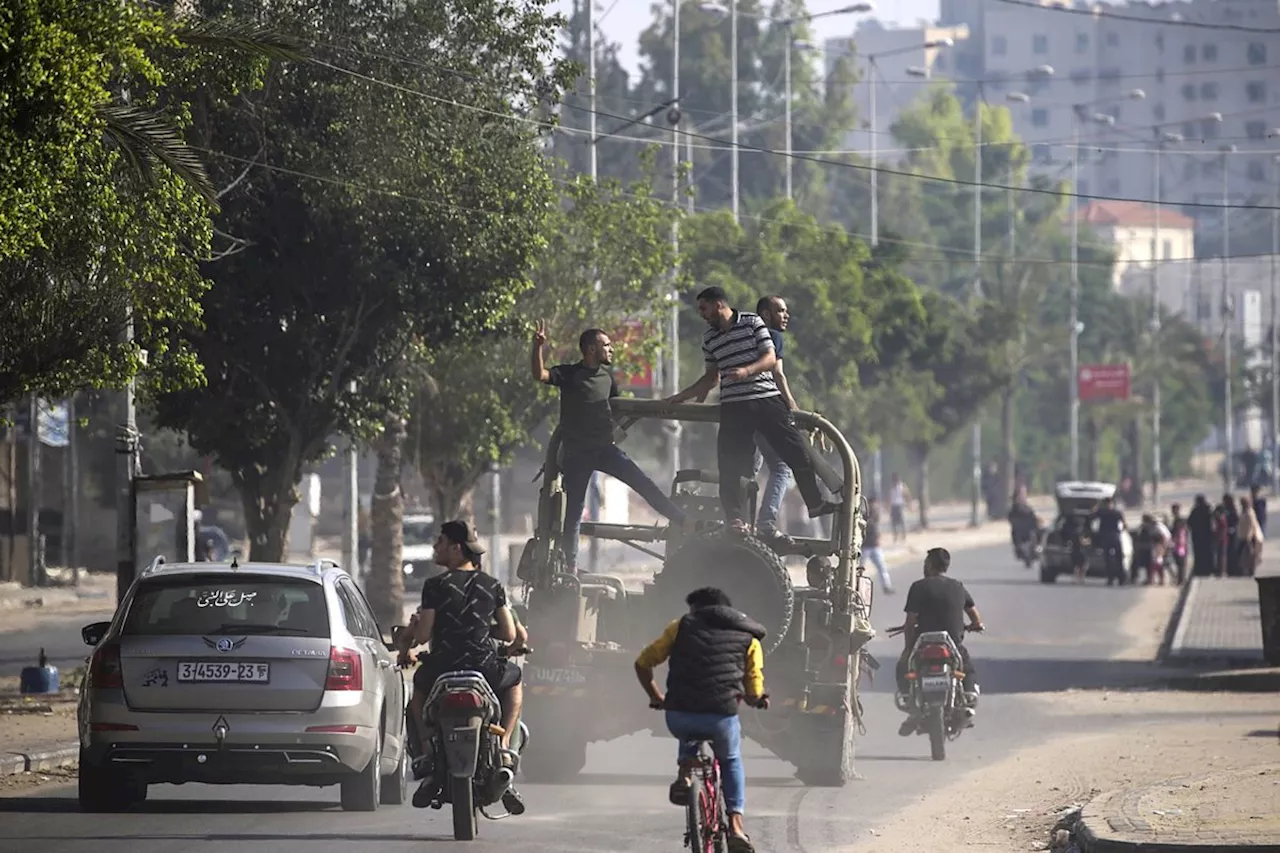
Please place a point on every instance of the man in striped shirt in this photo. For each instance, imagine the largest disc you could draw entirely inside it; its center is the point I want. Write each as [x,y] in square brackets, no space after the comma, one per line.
[740,358]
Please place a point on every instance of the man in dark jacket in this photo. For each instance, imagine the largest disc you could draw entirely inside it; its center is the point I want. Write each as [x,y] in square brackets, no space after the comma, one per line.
[715,659]
[1200,525]
[1110,525]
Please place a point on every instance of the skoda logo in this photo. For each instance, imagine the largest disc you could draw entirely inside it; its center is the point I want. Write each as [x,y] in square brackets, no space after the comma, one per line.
[225,644]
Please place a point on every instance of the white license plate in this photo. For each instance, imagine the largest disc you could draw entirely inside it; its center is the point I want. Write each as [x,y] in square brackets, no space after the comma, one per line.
[546,675]
[197,671]
[935,682]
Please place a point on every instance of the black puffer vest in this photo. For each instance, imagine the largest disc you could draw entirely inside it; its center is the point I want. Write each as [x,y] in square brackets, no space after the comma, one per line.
[709,660]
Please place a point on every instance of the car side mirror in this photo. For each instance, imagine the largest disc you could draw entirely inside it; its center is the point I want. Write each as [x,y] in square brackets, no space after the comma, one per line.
[93,634]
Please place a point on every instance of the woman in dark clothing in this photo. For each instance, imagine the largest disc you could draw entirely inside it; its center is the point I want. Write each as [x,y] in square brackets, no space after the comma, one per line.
[1226,519]
[1200,524]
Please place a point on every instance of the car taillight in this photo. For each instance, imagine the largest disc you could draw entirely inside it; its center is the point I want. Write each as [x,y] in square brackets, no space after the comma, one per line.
[104,670]
[344,730]
[935,653]
[345,670]
[462,701]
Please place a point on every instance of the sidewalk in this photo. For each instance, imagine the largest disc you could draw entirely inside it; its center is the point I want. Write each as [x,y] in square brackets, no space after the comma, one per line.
[1234,810]
[1218,623]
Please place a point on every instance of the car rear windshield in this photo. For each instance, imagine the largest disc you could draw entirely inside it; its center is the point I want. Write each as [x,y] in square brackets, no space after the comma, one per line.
[229,605]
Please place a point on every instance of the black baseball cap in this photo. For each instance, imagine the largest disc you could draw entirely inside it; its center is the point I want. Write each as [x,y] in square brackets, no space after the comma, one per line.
[462,533]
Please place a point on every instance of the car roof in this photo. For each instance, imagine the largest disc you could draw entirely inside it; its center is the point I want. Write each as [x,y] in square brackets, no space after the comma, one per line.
[420,516]
[1081,489]
[315,572]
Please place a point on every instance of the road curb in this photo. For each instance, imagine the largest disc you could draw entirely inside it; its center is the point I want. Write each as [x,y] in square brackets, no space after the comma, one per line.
[1175,631]
[1265,680]
[1112,812]
[40,759]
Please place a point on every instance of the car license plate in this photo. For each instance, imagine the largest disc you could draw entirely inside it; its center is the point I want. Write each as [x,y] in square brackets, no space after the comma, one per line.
[935,682]
[547,675]
[209,671]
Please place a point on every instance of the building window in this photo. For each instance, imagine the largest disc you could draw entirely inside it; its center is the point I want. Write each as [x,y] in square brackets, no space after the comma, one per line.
[1042,153]
[1039,117]
[1080,76]
[1112,73]
[1039,44]
[1113,186]
[1082,42]
[1188,91]
[1209,128]
[1158,112]
[1256,90]
[1255,129]
[1189,131]
[1209,52]
[1210,168]
[1257,53]
[1113,39]
[1084,187]
[1189,54]
[999,45]
[1257,172]
[1189,169]
[1160,41]
[1209,91]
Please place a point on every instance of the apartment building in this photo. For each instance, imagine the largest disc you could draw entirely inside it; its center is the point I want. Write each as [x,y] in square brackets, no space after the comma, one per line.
[1141,238]
[902,66]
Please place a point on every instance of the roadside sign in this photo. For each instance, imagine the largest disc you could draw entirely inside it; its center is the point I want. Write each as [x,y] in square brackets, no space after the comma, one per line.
[1103,382]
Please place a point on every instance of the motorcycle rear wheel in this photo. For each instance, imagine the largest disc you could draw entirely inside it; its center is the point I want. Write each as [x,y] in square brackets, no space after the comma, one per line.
[462,793]
[937,726]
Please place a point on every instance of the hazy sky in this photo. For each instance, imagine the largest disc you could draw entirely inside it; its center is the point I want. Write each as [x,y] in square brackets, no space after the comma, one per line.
[621,21]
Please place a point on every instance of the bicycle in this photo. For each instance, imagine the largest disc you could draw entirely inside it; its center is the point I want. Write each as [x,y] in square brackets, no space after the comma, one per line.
[707,828]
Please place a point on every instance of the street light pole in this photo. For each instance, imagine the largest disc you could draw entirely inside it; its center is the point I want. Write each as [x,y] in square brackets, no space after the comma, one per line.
[1073,380]
[673,315]
[733,100]
[976,489]
[1275,363]
[1155,331]
[1227,316]
[591,86]
[786,73]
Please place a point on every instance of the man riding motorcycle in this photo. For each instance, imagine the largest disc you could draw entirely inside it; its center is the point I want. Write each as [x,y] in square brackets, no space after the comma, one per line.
[1024,524]
[462,611]
[715,660]
[938,603]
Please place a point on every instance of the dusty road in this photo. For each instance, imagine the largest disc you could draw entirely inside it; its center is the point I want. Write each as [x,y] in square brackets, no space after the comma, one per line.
[1040,640]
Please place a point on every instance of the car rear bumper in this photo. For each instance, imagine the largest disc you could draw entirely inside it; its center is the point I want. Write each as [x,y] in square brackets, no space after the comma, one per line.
[257,763]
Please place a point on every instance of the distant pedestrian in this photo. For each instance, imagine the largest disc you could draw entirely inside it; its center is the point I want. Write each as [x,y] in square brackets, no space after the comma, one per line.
[899,500]
[871,550]
[1181,532]
[1226,520]
[1109,523]
[1259,508]
[1200,526]
[1249,539]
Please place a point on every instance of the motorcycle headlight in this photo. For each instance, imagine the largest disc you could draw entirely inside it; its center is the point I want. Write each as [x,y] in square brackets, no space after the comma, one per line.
[408,568]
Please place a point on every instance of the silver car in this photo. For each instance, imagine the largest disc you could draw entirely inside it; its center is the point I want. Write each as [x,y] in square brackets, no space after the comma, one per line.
[242,674]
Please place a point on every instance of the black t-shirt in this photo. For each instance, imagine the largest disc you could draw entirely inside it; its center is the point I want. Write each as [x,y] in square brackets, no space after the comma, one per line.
[871,537]
[586,419]
[1110,523]
[776,336]
[465,603]
[939,603]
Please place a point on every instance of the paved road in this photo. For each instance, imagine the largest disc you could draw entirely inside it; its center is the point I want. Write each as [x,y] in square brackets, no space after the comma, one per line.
[1040,638]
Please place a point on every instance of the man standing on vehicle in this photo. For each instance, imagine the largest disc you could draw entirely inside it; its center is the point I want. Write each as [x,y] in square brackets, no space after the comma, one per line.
[938,603]
[740,357]
[459,610]
[715,659]
[773,311]
[587,432]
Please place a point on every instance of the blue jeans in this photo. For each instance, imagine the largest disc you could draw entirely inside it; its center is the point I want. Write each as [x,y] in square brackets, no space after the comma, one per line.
[577,469]
[775,490]
[724,731]
[875,556]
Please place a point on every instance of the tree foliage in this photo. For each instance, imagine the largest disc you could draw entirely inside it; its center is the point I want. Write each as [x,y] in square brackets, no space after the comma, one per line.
[390,196]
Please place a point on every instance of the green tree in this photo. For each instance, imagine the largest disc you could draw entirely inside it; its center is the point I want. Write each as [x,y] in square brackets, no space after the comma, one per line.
[477,402]
[396,204]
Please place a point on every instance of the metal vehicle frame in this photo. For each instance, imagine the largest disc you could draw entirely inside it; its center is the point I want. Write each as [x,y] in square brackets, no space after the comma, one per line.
[591,627]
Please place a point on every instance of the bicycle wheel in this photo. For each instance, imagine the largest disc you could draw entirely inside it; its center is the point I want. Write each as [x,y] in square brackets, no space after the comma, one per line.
[694,816]
[720,825]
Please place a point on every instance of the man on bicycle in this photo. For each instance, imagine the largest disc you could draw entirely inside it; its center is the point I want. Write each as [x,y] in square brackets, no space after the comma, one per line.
[715,659]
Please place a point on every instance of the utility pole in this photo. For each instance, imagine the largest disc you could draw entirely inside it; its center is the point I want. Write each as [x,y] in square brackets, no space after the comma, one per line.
[675,432]
[126,470]
[733,100]
[786,87]
[1228,313]
[71,500]
[1275,363]
[1155,331]
[591,84]
[975,517]
[1074,379]
[35,495]
[351,507]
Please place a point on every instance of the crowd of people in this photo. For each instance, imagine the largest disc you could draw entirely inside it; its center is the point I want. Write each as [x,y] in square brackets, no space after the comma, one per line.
[1226,540]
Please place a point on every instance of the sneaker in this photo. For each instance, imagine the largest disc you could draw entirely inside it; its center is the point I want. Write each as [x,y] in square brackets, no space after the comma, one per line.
[425,794]
[776,537]
[512,801]
[824,508]
[908,727]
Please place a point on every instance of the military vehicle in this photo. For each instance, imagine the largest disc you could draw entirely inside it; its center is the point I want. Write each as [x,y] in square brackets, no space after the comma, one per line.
[588,628]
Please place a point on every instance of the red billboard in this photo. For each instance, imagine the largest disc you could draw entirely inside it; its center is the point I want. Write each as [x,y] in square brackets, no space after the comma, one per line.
[1103,382]
[628,372]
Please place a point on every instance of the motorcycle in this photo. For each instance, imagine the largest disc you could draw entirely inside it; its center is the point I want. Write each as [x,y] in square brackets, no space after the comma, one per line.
[465,754]
[936,696]
[1029,549]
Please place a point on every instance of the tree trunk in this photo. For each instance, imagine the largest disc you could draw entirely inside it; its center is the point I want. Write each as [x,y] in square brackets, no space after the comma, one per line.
[384,585]
[1008,459]
[922,484]
[268,507]
[454,499]
[1135,462]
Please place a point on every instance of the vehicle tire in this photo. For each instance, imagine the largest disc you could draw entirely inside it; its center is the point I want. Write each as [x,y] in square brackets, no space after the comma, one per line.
[395,785]
[101,790]
[831,751]
[760,583]
[362,791]
[463,795]
[937,725]
[553,760]
[1048,574]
